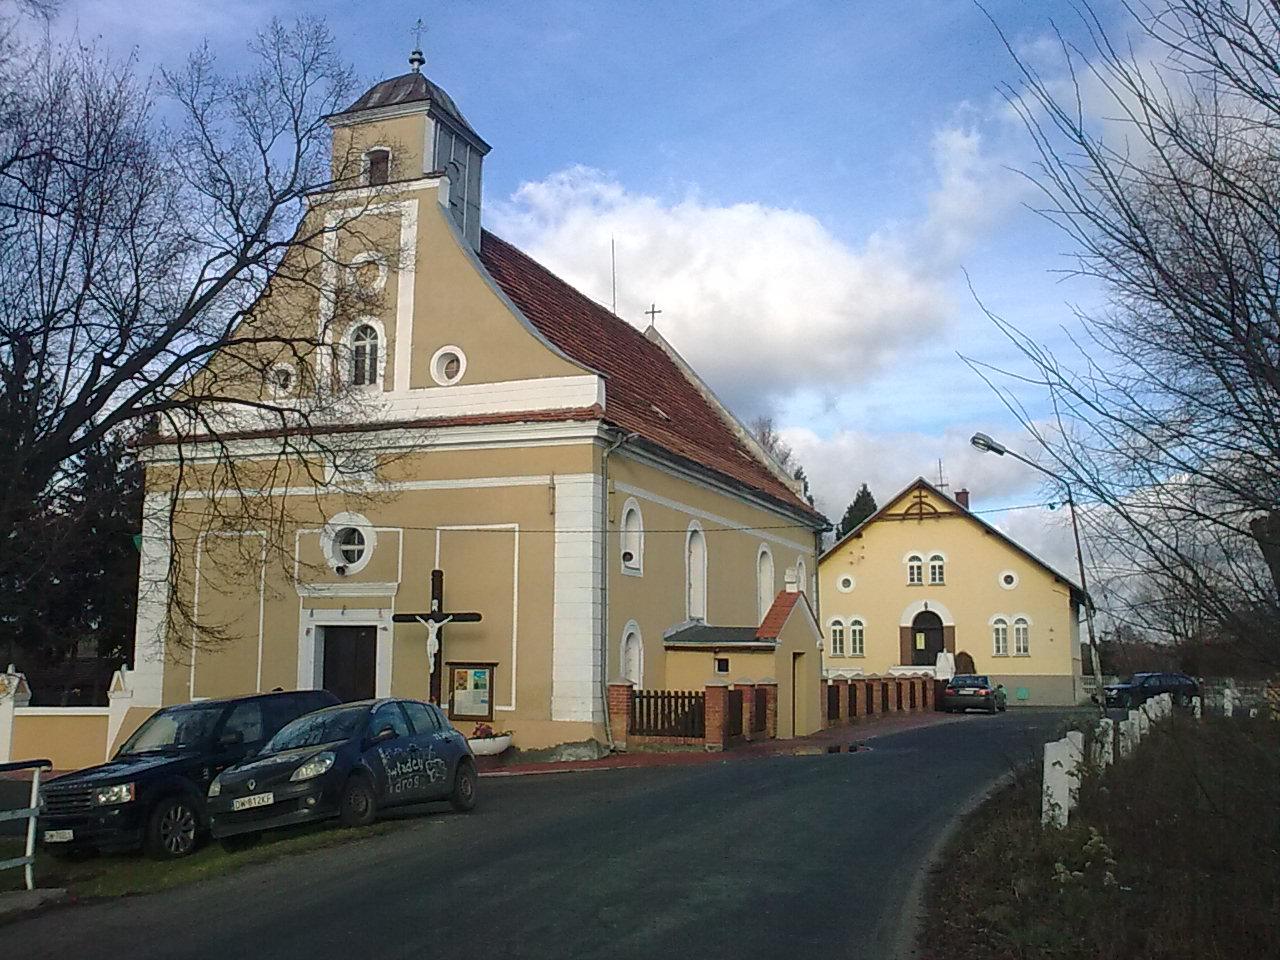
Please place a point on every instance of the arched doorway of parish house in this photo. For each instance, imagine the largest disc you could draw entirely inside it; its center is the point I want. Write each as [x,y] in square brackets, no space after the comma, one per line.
[926,638]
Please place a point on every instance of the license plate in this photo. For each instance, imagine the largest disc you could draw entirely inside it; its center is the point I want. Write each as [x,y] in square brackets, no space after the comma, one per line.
[59,836]
[257,800]
[966,692]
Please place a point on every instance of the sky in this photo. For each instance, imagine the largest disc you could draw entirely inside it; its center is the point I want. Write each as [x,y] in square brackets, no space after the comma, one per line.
[821,198]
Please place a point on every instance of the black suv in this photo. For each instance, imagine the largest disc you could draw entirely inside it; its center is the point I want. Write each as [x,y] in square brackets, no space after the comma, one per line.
[1141,687]
[152,794]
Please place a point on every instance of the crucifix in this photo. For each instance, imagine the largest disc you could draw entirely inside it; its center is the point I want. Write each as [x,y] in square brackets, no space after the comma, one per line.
[652,314]
[434,622]
[416,59]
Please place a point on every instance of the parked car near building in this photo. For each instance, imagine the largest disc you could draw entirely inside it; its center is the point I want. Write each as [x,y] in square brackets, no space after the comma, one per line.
[969,691]
[152,793]
[345,762]
[1141,687]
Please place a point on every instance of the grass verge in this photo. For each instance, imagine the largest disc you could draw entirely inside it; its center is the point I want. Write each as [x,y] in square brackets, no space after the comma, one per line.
[120,874]
[1173,853]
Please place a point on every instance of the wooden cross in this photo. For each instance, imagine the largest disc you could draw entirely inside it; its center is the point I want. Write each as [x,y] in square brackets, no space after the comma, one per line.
[652,314]
[434,620]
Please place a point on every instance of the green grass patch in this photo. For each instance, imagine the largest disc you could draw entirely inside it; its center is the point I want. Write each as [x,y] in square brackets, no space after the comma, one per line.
[1173,853]
[120,874]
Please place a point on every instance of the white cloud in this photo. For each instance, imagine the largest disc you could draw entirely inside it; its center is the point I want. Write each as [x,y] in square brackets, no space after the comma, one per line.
[763,300]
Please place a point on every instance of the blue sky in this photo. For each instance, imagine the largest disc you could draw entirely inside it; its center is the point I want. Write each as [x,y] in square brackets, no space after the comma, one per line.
[802,187]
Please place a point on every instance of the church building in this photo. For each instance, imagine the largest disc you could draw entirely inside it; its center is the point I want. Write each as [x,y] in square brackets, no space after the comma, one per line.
[925,576]
[531,498]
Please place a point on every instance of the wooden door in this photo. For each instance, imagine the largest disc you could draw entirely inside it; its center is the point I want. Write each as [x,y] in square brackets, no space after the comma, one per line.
[926,639]
[351,662]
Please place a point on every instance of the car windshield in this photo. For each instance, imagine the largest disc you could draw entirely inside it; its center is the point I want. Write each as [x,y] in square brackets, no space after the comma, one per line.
[174,729]
[968,680]
[1135,678]
[326,726]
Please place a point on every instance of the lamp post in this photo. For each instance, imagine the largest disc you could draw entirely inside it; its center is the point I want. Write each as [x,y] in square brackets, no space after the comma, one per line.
[988,444]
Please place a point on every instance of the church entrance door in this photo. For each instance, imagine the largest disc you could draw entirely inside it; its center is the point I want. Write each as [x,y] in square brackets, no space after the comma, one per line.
[350,662]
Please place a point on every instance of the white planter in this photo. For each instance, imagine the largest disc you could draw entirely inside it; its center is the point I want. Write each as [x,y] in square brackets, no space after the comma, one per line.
[490,746]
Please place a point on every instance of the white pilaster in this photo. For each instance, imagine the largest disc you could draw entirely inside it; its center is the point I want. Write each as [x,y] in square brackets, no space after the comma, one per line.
[577,659]
[147,677]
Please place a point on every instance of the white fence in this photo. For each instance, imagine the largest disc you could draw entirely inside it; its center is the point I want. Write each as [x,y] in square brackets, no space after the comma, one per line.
[1064,760]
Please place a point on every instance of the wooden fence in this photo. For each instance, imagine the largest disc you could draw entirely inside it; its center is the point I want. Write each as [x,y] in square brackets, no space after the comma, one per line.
[670,713]
[733,720]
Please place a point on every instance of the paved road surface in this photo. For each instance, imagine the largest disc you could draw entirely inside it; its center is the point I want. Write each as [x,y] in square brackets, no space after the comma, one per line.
[791,857]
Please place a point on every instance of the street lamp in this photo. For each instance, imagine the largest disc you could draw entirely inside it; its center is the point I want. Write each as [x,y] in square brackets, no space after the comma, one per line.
[988,444]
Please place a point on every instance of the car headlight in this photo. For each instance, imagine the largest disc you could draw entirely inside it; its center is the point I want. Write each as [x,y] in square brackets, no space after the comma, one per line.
[117,793]
[215,788]
[317,765]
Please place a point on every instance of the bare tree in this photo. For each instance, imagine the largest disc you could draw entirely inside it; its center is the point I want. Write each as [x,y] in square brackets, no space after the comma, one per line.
[1169,416]
[158,242]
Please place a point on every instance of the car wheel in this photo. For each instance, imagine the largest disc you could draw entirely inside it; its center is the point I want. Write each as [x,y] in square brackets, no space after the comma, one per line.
[172,829]
[241,841]
[358,807]
[463,797]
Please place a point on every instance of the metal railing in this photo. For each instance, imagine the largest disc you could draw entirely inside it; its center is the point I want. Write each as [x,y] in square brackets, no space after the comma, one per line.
[29,813]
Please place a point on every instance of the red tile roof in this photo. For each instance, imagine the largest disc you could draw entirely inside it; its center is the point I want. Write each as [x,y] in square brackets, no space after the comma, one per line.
[645,390]
[778,614]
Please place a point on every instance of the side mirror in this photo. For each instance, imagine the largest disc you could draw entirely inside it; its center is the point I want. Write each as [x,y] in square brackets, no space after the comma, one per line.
[386,733]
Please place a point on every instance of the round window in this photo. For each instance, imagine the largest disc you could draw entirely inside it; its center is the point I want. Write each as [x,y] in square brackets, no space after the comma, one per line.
[1008,579]
[448,365]
[279,379]
[845,583]
[349,544]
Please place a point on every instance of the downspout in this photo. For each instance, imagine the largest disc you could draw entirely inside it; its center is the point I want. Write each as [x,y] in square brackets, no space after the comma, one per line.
[604,585]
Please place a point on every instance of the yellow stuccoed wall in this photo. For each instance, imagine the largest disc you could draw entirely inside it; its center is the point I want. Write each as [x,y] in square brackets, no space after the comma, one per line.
[971,597]
[70,741]
[655,600]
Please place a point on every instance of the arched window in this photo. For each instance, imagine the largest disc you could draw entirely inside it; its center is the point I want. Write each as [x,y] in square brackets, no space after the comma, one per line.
[856,646]
[837,638]
[1000,637]
[377,167]
[364,356]
[632,539]
[937,569]
[632,655]
[695,567]
[764,582]
[1021,637]
[802,575]
[915,569]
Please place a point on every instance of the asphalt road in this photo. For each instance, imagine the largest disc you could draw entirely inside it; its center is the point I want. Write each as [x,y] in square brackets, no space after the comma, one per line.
[795,857]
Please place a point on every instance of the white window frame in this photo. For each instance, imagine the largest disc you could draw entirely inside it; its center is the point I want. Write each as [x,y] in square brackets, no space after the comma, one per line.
[349,348]
[358,261]
[636,567]
[1021,636]
[999,636]
[840,583]
[631,632]
[765,592]
[915,570]
[835,629]
[436,368]
[274,390]
[937,569]
[802,575]
[857,637]
[329,541]
[695,590]
[1007,573]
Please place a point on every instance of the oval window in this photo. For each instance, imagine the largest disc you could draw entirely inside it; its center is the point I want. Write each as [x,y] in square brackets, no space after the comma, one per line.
[349,544]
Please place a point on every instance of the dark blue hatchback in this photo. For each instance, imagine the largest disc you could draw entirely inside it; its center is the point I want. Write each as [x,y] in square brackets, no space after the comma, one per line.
[345,762]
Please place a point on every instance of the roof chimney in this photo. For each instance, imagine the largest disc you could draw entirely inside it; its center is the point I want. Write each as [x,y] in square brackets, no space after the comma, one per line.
[962,498]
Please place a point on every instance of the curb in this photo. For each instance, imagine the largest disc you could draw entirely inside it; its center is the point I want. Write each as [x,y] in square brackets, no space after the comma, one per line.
[22,903]
[914,907]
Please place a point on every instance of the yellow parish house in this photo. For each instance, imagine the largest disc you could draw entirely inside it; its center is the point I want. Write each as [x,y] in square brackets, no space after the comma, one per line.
[570,477]
[924,577]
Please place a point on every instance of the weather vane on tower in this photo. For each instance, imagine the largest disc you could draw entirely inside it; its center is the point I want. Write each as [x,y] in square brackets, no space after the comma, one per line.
[416,59]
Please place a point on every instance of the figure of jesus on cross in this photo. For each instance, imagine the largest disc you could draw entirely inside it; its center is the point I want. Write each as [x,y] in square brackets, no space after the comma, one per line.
[434,622]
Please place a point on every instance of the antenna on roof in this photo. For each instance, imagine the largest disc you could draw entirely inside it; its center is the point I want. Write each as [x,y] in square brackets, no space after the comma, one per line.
[942,477]
[416,59]
[613,273]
